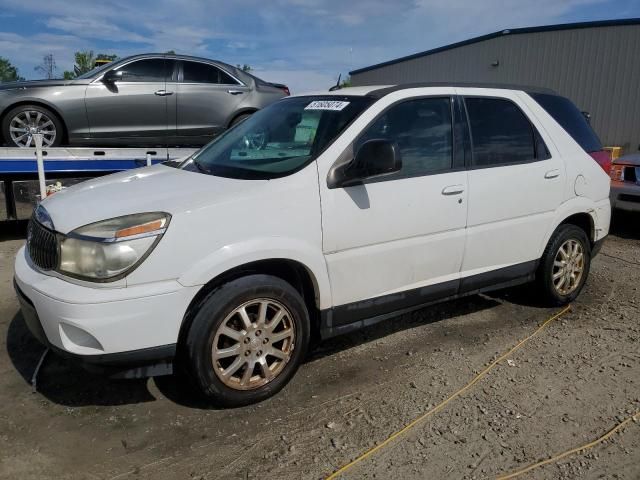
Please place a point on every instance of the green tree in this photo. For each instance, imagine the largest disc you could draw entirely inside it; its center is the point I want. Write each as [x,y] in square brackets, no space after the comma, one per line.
[8,73]
[104,56]
[171,52]
[86,61]
[244,68]
[346,82]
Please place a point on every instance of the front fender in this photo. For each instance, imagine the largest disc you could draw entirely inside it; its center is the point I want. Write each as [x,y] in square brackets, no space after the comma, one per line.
[242,253]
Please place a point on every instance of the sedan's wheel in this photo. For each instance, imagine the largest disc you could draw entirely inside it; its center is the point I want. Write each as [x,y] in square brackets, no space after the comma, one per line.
[253,344]
[247,340]
[22,123]
[564,266]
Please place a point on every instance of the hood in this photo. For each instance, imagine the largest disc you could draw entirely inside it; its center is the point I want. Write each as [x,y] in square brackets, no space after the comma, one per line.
[631,159]
[152,189]
[38,83]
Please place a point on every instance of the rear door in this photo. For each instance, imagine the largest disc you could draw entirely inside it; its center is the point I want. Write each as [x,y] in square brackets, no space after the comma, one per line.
[515,185]
[134,110]
[207,97]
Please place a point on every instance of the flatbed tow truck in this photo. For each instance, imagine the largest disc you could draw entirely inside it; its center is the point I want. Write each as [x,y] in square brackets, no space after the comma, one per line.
[63,167]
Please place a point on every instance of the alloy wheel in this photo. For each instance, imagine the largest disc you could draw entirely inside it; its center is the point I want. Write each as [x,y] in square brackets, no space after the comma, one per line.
[568,267]
[29,122]
[253,344]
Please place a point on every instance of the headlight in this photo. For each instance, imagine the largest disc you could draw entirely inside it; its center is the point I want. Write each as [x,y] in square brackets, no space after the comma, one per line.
[112,248]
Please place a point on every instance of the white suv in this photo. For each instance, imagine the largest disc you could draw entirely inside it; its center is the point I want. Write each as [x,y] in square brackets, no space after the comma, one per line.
[318,215]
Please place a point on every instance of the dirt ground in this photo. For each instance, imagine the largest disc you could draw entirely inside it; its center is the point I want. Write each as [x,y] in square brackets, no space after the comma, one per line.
[567,386]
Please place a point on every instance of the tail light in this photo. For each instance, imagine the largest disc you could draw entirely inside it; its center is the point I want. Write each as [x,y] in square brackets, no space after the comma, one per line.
[285,89]
[603,158]
[617,172]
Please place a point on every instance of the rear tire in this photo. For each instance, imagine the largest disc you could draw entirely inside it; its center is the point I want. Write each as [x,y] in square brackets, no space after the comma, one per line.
[239,119]
[247,340]
[564,266]
[19,124]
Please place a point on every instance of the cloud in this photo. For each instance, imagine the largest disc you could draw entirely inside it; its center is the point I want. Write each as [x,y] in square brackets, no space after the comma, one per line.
[14,46]
[308,41]
[94,28]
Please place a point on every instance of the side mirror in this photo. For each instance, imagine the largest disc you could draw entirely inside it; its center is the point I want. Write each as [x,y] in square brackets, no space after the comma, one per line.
[374,158]
[112,76]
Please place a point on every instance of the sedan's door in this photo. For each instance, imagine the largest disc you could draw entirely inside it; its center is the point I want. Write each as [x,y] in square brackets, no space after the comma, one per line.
[133,110]
[207,98]
[397,241]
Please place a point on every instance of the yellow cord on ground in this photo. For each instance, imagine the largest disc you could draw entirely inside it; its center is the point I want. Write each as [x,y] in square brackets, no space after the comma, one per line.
[441,405]
[573,450]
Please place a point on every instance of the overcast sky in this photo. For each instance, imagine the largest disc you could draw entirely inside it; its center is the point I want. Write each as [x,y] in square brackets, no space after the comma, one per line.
[304,43]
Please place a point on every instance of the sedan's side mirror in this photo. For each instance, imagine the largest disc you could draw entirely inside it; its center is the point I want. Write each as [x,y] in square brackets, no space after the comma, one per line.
[112,76]
[374,158]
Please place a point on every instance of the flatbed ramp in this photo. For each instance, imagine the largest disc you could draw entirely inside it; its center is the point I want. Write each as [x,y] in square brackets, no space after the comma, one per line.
[19,189]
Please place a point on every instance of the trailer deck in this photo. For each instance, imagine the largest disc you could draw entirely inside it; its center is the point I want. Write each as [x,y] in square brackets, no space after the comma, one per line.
[19,190]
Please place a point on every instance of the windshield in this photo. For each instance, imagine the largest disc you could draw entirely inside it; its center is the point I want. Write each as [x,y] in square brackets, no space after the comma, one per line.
[280,139]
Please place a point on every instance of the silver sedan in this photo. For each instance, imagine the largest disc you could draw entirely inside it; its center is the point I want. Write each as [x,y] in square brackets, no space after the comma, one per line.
[144,100]
[625,183]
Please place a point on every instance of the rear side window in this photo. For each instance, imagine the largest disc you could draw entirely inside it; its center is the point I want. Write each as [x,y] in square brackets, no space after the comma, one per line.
[500,132]
[196,72]
[571,119]
[422,130]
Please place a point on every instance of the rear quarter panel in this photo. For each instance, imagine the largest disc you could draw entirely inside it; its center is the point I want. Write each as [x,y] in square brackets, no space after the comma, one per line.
[587,185]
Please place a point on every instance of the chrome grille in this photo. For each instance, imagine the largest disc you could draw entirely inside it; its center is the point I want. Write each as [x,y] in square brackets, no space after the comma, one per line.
[42,246]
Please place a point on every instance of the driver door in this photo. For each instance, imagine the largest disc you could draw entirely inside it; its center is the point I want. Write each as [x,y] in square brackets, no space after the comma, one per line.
[397,241]
[134,110]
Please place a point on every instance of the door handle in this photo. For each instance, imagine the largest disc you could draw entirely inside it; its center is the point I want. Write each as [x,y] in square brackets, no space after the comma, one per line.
[552,174]
[235,92]
[453,190]
[162,93]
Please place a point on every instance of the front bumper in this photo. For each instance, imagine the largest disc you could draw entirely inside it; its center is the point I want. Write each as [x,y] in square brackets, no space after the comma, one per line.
[128,332]
[625,196]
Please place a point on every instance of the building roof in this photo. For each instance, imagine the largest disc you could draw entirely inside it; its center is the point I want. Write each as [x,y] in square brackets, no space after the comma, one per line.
[501,33]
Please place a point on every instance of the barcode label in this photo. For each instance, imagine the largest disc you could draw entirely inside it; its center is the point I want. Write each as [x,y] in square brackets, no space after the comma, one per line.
[326,105]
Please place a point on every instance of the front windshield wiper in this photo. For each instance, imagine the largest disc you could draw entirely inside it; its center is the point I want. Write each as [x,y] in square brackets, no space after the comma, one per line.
[202,168]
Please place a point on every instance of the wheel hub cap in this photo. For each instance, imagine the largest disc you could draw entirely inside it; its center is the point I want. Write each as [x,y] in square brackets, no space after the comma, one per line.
[26,124]
[253,344]
[568,267]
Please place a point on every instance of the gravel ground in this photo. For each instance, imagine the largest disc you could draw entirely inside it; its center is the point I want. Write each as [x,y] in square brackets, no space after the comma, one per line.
[565,387]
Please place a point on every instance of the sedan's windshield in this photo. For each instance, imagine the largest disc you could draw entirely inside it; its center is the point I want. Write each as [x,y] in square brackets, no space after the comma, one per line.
[280,139]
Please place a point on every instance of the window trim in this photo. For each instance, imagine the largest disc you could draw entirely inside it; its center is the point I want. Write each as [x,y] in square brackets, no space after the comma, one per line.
[535,136]
[132,60]
[454,144]
[182,82]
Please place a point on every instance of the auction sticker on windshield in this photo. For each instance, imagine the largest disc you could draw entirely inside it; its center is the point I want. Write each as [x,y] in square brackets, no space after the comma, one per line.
[326,105]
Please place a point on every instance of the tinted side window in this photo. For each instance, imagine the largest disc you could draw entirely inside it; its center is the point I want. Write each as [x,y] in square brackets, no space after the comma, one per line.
[151,70]
[571,119]
[195,72]
[500,132]
[422,130]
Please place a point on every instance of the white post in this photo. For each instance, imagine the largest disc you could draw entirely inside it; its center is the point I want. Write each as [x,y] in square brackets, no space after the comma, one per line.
[43,186]
[148,159]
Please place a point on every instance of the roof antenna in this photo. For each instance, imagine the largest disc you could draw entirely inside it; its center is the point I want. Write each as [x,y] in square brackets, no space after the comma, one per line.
[337,85]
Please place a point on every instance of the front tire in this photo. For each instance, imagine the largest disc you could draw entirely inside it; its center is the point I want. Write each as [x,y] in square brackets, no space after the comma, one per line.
[247,340]
[564,266]
[20,123]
